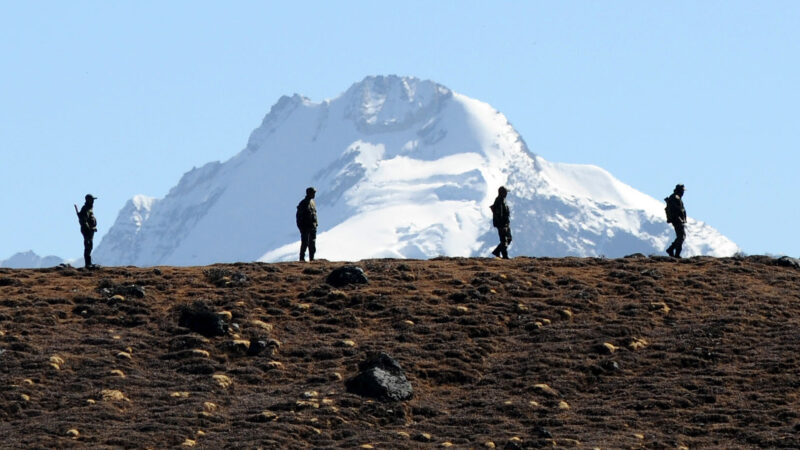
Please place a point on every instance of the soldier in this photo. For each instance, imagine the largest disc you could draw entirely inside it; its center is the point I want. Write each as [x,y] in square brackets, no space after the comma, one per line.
[307,223]
[501,219]
[88,228]
[676,215]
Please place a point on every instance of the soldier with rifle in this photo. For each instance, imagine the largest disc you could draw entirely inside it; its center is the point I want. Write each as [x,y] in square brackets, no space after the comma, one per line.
[88,228]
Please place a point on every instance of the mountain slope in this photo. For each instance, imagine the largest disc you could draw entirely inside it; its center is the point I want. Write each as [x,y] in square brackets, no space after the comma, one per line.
[649,353]
[404,168]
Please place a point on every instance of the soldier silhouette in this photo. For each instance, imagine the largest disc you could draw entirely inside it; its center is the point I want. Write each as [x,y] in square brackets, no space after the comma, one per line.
[88,228]
[501,219]
[676,215]
[307,224]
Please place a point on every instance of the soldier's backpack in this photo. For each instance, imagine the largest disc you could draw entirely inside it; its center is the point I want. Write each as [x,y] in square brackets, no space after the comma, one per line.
[668,210]
[493,207]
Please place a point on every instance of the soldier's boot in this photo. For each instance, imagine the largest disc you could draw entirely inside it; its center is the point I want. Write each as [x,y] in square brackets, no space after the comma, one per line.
[303,256]
[310,256]
[670,251]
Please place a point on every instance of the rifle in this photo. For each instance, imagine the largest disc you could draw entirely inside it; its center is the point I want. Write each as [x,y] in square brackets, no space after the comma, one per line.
[76,209]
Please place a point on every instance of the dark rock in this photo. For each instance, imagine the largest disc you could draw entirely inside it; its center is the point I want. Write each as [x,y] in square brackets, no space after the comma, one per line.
[9,282]
[256,346]
[635,255]
[157,271]
[200,319]
[380,377]
[347,275]
[787,261]
[610,366]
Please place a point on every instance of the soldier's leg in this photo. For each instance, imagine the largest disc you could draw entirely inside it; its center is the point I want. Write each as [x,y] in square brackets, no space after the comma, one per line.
[87,250]
[312,244]
[303,244]
[499,248]
[680,236]
[505,241]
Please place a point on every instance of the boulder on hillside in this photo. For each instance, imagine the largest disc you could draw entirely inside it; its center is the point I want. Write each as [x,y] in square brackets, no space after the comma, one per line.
[200,319]
[788,261]
[347,275]
[380,377]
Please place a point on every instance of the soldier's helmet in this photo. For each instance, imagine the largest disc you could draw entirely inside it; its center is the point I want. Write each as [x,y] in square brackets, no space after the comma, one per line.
[90,198]
[679,188]
[502,190]
[310,190]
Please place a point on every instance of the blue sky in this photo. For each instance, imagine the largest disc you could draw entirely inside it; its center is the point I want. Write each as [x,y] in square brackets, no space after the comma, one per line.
[122,98]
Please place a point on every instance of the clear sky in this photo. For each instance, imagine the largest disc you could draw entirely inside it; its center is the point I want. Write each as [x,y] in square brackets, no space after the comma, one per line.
[121,98]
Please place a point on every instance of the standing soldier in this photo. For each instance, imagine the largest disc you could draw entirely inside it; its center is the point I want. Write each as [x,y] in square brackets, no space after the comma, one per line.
[307,223]
[676,215]
[88,228]
[501,219]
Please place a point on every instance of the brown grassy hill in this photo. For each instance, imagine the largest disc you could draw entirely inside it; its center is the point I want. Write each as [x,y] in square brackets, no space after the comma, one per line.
[625,353]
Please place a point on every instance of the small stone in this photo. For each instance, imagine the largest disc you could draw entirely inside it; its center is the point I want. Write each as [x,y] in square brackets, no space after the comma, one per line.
[423,437]
[189,443]
[210,407]
[73,433]
[545,390]
[25,397]
[28,381]
[55,366]
[462,309]
[447,444]
[124,355]
[263,325]
[638,435]
[306,404]
[118,298]
[117,373]
[201,352]
[113,395]
[225,315]
[310,394]
[563,405]
[267,416]
[366,446]
[90,401]
[534,403]
[521,308]
[403,434]
[605,348]
[200,433]
[274,343]
[489,444]
[336,376]
[347,343]
[546,321]
[565,314]
[224,381]
[637,344]
[180,394]
[303,306]
[408,323]
[275,364]
[55,359]
[660,307]
[327,401]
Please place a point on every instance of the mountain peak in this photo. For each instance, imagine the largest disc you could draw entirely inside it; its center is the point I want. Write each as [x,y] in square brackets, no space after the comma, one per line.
[391,103]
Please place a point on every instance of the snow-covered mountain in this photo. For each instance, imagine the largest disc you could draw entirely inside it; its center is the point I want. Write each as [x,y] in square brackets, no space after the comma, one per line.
[404,168]
[30,260]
